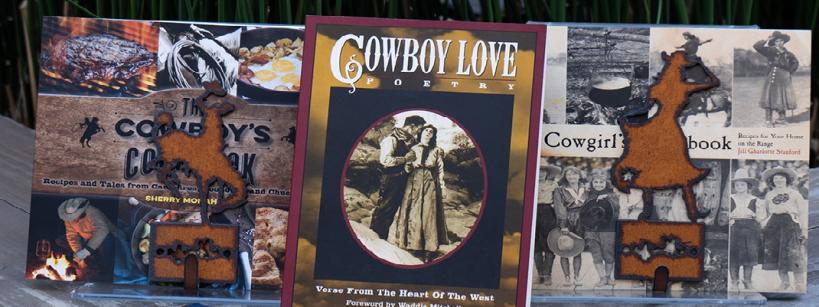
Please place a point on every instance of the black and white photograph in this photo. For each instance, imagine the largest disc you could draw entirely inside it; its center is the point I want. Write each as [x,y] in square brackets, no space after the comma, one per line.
[768,236]
[607,74]
[192,54]
[772,78]
[577,212]
[554,80]
[710,49]
[413,188]
[712,196]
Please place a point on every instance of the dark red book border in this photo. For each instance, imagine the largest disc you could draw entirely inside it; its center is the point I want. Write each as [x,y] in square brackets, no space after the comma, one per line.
[304,114]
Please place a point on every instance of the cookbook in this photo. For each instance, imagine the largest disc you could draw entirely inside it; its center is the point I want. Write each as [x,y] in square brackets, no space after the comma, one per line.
[745,135]
[96,192]
[415,163]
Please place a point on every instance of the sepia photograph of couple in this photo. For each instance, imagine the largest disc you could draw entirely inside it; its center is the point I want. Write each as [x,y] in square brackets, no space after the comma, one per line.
[413,188]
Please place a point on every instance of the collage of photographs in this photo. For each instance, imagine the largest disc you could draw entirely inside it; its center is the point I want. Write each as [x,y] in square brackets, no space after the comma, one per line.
[596,75]
[106,231]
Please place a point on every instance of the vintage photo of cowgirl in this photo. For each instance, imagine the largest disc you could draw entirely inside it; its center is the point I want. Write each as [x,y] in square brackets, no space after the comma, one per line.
[771,219]
[777,88]
[785,233]
[413,188]
[577,213]
[772,78]
[710,108]
[599,216]
[569,198]
[746,216]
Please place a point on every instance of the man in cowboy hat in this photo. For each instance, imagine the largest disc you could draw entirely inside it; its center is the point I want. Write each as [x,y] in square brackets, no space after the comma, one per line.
[86,227]
[395,154]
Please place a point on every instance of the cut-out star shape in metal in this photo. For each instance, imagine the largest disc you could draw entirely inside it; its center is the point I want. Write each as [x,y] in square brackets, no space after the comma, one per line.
[628,175]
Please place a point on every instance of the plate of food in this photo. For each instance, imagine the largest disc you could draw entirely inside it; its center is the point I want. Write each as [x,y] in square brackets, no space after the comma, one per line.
[140,237]
[270,64]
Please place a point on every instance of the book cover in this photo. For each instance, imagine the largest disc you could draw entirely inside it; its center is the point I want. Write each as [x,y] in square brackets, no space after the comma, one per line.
[415,163]
[95,190]
[747,132]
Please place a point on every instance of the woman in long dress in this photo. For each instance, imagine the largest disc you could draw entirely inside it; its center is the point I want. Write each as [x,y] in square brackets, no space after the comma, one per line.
[785,232]
[568,200]
[419,224]
[777,91]
[747,212]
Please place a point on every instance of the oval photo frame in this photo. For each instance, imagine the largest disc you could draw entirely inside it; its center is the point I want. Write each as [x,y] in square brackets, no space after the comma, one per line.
[398,206]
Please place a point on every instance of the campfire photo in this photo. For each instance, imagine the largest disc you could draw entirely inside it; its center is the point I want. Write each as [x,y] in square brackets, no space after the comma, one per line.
[73,238]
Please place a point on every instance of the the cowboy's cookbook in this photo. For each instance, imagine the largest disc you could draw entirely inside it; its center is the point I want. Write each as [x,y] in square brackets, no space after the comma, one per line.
[414,171]
[95,191]
[750,134]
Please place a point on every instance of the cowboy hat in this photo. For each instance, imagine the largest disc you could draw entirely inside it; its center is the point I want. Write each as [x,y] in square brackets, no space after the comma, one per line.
[550,171]
[600,173]
[779,35]
[72,208]
[742,175]
[596,212]
[565,245]
[688,34]
[779,170]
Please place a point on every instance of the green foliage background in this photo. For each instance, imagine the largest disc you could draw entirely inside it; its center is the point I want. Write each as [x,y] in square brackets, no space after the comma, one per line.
[19,38]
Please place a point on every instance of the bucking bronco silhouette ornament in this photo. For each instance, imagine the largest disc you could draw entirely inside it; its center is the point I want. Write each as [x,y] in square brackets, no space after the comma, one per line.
[656,157]
[197,253]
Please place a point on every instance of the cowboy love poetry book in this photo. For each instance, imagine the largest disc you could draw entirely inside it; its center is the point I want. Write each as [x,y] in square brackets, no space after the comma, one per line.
[415,163]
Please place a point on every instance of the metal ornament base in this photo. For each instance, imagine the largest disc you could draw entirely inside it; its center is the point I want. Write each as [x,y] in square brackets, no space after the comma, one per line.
[103,291]
[640,296]
[165,294]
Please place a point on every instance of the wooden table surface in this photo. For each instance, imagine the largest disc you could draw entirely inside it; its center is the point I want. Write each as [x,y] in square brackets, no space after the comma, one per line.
[16,147]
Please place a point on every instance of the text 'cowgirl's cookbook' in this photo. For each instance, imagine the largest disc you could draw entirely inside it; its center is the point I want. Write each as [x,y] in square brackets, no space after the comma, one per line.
[717,193]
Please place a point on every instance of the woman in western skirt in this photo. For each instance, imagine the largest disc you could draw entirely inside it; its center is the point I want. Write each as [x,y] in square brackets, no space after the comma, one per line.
[569,198]
[777,90]
[784,234]
[746,214]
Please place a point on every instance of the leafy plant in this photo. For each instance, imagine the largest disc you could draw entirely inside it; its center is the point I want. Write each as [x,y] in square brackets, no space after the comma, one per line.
[19,40]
